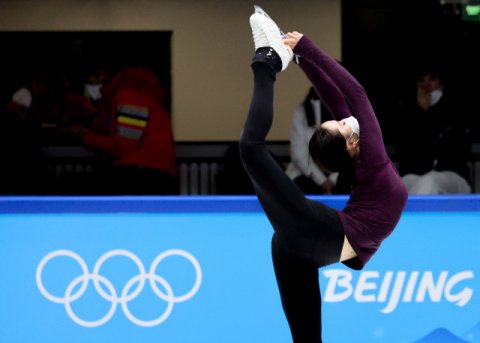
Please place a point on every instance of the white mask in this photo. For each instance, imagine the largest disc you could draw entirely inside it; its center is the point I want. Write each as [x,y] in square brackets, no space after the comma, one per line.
[353,122]
[23,97]
[435,96]
[93,91]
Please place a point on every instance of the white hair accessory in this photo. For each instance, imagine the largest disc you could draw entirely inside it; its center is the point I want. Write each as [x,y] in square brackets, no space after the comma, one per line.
[353,123]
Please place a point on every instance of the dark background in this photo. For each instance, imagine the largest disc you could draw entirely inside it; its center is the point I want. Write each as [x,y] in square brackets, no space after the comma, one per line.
[80,53]
[385,42]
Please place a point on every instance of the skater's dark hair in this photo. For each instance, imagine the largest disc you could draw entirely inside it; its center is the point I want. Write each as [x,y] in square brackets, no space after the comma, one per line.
[329,152]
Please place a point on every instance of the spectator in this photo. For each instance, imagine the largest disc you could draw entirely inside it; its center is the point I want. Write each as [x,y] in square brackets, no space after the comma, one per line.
[54,105]
[435,162]
[23,169]
[94,80]
[139,135]
[307,176]
[29,121]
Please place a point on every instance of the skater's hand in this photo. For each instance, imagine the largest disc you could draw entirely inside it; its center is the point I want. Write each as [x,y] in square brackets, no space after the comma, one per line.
[292,39]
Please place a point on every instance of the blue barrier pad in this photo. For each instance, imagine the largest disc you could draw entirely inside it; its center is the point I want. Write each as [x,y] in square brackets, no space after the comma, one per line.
[192,276]
[210,204]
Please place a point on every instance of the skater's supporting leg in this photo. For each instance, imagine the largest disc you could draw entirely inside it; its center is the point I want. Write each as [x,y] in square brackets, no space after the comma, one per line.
[299,288]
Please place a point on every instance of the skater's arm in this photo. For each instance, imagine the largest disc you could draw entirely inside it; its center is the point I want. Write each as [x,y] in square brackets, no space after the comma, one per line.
[372,147]
[326,90]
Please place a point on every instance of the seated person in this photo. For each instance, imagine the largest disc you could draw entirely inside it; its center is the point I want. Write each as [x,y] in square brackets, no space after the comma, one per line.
[30,121]
[51,106]
[435,161]
[94,80]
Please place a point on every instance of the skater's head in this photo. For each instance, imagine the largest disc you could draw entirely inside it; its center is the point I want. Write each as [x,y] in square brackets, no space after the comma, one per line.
[333,147]
[348,136]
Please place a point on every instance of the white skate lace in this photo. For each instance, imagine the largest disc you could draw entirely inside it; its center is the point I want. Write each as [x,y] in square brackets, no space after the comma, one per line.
[259,38]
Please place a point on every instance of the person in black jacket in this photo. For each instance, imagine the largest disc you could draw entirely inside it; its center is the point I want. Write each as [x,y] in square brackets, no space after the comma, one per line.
[435,162]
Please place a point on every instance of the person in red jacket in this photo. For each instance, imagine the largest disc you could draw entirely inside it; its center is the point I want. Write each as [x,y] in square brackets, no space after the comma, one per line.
[137,131]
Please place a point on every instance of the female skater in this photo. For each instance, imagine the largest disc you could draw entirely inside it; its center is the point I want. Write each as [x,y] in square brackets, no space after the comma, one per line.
[308,234]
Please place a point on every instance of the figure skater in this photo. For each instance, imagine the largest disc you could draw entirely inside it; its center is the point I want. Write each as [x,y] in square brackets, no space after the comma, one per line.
[308,234]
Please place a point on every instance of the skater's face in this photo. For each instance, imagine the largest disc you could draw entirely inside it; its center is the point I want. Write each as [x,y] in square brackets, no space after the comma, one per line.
[347,133]
[340,126]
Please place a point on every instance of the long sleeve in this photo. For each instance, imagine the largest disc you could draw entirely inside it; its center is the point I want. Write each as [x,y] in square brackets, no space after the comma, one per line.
[372,149]
[156,148]
[96,138]
[103,143]
[299,137]
[328,92]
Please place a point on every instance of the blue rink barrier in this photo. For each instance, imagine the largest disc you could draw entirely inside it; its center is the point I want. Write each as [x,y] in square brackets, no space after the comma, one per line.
[198,269]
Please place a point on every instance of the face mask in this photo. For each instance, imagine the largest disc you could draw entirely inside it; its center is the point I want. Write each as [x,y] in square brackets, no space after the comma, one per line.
[23,97]
[435,96]
[353,122]
[93,91]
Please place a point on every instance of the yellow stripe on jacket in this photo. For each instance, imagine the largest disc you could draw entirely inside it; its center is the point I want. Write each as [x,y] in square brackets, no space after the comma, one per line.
[131,121]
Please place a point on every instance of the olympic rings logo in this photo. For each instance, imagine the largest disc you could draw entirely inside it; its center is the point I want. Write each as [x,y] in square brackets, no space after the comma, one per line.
[153,278]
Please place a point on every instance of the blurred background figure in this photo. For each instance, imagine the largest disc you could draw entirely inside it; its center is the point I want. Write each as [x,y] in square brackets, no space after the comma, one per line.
[55,106]
[70,67]
[23,170]
[94,80]
[31,120]
[433,137]
[307,176]
[139,136]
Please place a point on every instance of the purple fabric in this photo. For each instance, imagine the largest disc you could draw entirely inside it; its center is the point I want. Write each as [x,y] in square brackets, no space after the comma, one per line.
[379,195]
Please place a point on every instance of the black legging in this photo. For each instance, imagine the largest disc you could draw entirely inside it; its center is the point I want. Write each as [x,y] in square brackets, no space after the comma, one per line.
[308,234]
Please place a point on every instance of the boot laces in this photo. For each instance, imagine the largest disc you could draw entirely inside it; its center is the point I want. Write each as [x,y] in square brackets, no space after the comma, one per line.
[259,37]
